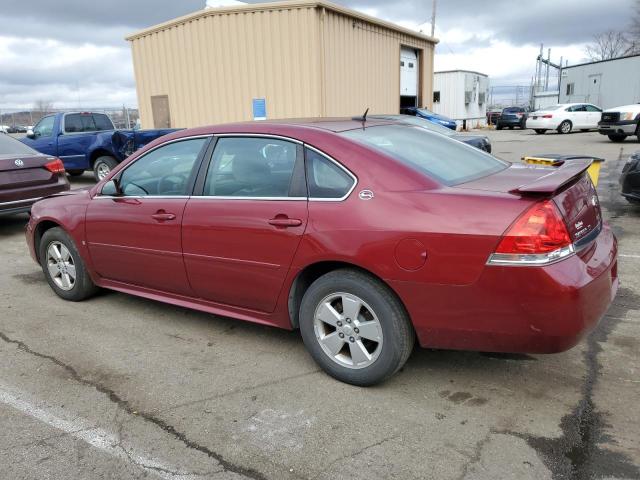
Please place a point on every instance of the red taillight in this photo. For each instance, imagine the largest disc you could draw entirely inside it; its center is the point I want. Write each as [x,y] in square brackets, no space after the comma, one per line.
[55,166]
[539,230]
[547,116]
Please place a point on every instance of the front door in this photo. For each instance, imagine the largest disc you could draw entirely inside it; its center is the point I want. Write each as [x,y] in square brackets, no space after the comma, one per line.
[44,139]
[239,237]
[135,238]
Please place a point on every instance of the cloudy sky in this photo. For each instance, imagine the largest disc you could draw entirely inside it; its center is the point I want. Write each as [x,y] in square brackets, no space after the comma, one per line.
[73,53]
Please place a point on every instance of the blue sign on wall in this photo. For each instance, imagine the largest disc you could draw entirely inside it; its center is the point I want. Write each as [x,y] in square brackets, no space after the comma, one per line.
[259,109]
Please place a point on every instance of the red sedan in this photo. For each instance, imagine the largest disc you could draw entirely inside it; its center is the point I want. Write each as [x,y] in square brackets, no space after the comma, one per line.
[364,235]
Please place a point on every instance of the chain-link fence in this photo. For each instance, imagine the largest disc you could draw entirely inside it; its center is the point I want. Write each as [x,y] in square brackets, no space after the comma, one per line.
[17,121]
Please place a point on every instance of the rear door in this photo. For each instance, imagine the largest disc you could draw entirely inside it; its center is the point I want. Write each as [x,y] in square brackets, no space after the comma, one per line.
[594,115]
[76,139]
[240,234]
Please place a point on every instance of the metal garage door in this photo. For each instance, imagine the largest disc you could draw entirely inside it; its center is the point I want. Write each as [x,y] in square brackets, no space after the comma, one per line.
[408,72]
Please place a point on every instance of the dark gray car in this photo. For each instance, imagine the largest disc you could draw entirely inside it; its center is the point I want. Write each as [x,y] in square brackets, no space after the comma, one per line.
[479,141]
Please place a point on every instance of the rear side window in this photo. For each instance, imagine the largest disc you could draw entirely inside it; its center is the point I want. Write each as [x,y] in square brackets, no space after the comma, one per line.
[11,146]
[78,123]
[102,121]
[251,167]
[448,161]
[325,179]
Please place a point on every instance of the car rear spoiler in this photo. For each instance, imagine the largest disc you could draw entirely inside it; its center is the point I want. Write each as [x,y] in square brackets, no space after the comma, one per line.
[562,174]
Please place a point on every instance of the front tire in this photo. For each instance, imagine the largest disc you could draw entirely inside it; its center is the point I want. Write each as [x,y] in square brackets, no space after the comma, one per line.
[617,138]
[103,166]
[565,127]
[355,327]
[63,266]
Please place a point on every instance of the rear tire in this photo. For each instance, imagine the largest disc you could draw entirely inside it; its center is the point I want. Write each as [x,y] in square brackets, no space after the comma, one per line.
[103,166]
[63,266]
[540,131]
[617,138]
[499,127]
[75,173]
[380,334]
[565,127]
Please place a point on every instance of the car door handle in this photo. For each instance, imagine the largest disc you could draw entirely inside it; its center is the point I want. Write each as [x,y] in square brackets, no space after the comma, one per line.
[285,222]
[163,216]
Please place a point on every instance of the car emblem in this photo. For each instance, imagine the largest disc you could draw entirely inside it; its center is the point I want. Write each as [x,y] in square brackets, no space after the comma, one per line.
[579,225]
[19,163]
[365,195]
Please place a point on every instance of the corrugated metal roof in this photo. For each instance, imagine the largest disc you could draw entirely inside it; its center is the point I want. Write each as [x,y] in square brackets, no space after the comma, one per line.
[256,7]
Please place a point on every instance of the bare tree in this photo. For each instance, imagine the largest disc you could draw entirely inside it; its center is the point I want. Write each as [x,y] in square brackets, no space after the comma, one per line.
[43,106]
[608,45]
[634,31]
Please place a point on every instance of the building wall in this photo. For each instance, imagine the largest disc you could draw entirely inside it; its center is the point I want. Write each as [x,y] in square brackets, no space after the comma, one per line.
[452,87]
[213,66]
[306,61]
[619,83]
[362,66]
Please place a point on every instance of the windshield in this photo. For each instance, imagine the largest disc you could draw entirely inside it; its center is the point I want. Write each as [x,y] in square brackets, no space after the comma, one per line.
[446,160]
[421,122]
[11,146]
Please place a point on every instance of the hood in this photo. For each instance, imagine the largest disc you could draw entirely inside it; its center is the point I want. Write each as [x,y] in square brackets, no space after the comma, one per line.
[626,108]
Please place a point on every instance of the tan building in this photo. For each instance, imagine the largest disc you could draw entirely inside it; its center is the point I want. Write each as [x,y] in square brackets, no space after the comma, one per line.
[280,60]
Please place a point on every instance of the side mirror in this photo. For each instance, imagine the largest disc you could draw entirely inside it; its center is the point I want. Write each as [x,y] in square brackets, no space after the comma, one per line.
[31,134]
[111,188]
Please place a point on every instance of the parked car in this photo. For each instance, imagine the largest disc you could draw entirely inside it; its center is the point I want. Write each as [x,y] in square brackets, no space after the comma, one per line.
[512,117]
[479,141]
[87,141]
[26,176]
[362,234]
[630,179]
[431,116]
[565,117]
[620,122]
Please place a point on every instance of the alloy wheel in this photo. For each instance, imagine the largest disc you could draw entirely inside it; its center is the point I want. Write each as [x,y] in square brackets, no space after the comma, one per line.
[103,170]
[61,266]
[348,330]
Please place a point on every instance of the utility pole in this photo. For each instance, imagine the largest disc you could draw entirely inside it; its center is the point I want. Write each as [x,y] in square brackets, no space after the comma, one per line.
[433,17]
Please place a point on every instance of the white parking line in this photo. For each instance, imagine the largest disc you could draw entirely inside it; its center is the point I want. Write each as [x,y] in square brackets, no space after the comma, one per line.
[96,437]
[628,256]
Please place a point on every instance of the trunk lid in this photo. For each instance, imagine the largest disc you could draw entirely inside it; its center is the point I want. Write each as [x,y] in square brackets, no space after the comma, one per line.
[568,185]
[24,171]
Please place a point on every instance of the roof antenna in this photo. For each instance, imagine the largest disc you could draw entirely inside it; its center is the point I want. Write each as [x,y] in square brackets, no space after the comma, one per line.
[363,118]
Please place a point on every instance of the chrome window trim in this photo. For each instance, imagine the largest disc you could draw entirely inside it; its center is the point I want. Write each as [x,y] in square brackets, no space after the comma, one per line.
[192,137]
[275,199]
[24,200]
[339,165]
[259,135]
[134,197]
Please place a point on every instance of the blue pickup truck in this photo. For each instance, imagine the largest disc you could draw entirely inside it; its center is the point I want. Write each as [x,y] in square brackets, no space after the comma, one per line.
[87,141]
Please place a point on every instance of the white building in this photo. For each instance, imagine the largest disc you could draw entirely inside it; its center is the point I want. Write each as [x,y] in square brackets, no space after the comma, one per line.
[461,95]
[607,84]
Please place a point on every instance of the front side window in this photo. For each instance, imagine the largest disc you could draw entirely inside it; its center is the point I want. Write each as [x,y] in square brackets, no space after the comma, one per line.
[593,108]
[165,171]
[79,122]
[448,161]
[251,167]
[325,179]
[44,128]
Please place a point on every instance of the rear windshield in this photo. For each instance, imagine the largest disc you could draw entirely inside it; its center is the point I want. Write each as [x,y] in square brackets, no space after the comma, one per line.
[512,110]
[552,107]
[446,160]
[11,146]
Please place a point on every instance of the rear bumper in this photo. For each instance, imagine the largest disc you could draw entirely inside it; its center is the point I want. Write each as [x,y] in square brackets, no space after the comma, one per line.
[19,200]
[516,122]
[518,309]
[541,124]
